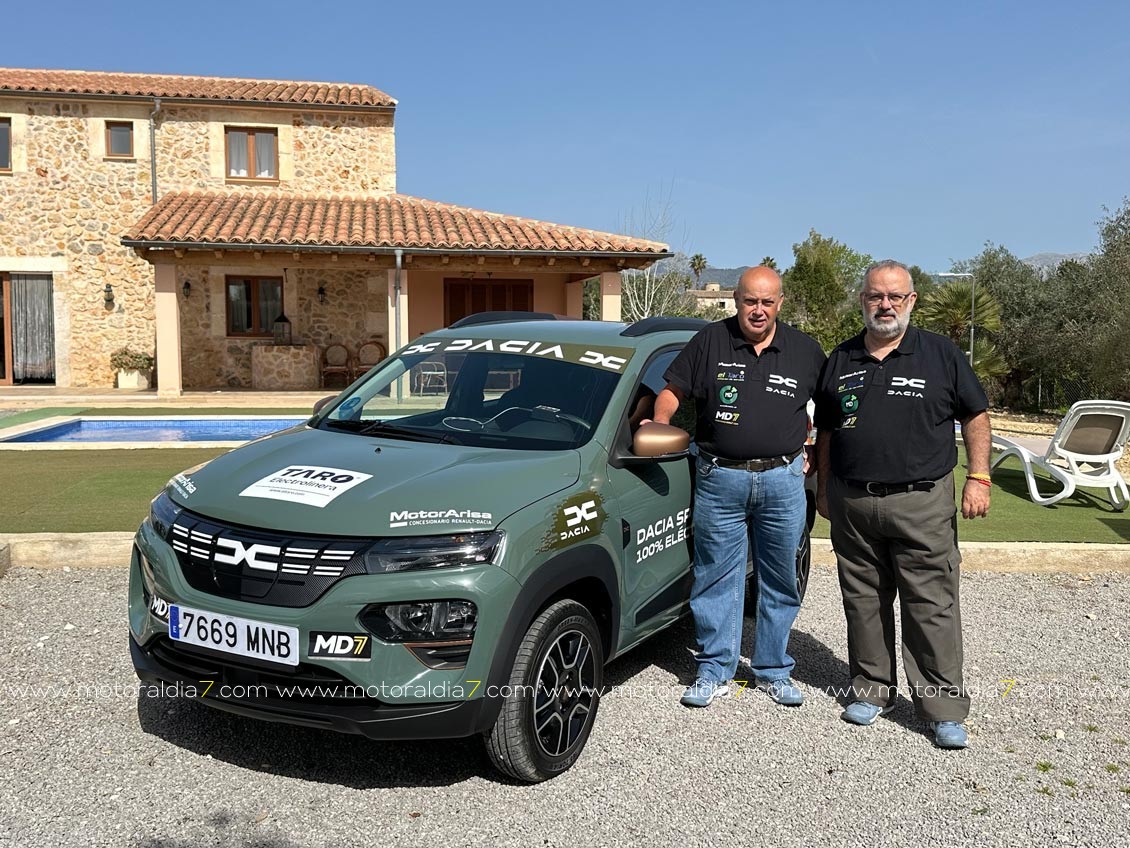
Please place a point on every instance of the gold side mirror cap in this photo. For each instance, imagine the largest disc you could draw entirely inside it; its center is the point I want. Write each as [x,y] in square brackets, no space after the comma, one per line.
[655,439]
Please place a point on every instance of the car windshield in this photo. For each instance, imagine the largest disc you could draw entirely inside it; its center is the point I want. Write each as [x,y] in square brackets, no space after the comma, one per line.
[480,398]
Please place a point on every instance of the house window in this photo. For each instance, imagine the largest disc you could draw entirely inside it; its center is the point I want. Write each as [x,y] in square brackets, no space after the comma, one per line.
[119,139]
[253,305]
[252,154]
[5,144]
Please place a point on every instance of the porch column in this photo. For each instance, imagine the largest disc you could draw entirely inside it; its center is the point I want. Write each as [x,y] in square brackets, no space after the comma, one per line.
[610,296]
[575,299]
[397,311]
[169,382]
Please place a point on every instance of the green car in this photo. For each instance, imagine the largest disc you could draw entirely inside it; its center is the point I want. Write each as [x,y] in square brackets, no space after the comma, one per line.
[455,545]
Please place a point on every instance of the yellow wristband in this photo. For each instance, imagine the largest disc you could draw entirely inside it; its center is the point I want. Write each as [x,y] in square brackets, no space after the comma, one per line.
[983,477]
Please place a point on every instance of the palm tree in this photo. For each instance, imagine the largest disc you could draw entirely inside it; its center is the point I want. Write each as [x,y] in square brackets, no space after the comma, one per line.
[770,262]
[698,265]
[945,310]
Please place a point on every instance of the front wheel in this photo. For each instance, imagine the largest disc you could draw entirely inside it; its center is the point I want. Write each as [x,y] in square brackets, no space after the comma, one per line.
[550,705]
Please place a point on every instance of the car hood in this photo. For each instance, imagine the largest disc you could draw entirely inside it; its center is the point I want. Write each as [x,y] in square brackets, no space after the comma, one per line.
[326,483]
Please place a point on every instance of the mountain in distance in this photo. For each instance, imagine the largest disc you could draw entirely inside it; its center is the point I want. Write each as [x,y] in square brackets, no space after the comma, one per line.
[1046,263]
[727,277]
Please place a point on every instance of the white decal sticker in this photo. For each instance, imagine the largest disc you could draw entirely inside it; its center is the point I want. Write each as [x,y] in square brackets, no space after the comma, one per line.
[663,534]
[311,485]
[592,357]
[422,517]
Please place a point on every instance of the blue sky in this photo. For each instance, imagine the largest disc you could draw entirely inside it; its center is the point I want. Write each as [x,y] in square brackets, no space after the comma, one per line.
[917,131]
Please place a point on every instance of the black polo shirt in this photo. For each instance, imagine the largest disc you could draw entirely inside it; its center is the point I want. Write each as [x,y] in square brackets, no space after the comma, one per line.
[892,421]
[748,406]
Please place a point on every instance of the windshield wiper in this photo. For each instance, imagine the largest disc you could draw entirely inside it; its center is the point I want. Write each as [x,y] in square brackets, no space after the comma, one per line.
[386,428]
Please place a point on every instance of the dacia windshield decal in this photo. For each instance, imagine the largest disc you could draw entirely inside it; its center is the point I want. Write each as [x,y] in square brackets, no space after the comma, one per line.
[311,485]
[576,518]
[605,358]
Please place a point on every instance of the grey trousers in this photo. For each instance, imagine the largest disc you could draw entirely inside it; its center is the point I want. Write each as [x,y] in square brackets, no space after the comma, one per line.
[904,544]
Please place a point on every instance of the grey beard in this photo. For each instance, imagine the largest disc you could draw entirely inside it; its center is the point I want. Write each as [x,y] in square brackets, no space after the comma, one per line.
[887,331]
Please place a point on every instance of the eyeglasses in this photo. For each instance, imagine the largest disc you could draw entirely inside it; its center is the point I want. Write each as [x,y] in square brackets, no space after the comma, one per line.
[896,298]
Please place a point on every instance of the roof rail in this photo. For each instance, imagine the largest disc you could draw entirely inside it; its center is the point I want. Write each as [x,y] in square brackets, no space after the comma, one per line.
[501,317]
[660,324]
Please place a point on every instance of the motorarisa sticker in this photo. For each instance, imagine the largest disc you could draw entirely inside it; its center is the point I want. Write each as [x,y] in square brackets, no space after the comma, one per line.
[310,485]
[420,517]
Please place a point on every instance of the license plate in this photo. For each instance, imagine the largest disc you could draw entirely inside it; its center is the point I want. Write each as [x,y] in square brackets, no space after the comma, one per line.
[233,635]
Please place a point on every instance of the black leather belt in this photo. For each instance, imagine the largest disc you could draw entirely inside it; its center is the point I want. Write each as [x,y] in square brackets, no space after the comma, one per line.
[751,464]
[881,490]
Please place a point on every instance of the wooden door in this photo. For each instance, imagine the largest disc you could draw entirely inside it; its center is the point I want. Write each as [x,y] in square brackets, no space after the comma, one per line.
[466,297]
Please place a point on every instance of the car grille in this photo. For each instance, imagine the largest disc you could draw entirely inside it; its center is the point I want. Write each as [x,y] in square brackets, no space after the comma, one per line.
[286,570]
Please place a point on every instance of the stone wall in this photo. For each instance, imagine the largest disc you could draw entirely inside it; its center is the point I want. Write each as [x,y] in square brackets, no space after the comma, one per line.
[354,312]
[66,205]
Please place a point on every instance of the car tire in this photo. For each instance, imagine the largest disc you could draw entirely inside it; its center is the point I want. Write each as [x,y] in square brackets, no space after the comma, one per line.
[541,732]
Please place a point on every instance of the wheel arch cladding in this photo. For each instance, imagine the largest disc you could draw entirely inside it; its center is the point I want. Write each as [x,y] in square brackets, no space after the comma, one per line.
[585,573]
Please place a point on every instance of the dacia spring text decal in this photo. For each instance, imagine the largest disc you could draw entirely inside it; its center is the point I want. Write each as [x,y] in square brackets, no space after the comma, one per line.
[606,358]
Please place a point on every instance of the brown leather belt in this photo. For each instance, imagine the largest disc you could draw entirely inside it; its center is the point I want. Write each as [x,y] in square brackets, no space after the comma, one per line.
[750,464]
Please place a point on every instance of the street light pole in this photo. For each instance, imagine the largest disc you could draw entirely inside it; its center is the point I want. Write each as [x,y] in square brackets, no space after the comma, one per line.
[972,307]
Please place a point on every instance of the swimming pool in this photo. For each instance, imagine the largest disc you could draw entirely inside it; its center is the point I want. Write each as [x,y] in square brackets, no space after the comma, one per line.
[147,429]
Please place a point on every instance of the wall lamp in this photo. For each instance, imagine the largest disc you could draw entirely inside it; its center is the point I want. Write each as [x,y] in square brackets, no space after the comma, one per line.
[321,294]
[186,289]
[108,294]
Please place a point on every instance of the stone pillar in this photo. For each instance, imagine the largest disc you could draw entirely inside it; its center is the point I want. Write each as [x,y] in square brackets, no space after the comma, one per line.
[610,296]
[575,299]
[169,383]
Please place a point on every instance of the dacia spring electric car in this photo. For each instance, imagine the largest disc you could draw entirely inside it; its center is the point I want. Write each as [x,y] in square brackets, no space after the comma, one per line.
[455,545]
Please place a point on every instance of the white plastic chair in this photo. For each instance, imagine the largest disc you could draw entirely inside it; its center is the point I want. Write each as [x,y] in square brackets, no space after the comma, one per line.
[1083,451]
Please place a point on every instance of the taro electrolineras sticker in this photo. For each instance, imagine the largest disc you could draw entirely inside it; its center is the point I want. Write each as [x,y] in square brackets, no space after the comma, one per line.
[577,518]
[310,485]
[183,485]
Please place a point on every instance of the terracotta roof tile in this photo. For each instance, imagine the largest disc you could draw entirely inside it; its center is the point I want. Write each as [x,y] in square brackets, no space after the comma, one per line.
[247,219]
[191,88]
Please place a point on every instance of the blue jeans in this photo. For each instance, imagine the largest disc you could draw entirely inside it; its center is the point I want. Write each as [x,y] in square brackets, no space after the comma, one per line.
[733,509]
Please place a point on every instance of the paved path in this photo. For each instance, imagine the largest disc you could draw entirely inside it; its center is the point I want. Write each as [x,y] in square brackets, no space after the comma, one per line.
[88,762]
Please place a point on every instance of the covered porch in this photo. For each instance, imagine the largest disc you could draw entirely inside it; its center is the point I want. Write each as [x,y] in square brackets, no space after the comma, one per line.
[377,272]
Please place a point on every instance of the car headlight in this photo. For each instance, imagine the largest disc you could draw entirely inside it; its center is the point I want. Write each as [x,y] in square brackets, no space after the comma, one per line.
[413,553]
[162,513]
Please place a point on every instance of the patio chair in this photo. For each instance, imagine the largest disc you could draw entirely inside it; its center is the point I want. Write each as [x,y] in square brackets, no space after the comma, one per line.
[337,359]
[1083,451]
[369,355]
[431,376]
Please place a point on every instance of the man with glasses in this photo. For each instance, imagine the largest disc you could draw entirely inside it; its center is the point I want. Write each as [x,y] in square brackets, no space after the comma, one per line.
[751,377]
[885,454]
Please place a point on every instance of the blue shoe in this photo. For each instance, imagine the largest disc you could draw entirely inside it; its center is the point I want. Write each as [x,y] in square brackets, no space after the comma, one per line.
[863,713]
[783,691]
[949,734]
[702,693]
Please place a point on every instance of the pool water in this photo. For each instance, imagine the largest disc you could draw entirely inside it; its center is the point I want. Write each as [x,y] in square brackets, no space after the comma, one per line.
[159,430]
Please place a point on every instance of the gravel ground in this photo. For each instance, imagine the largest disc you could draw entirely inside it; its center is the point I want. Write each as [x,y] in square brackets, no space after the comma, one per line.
[92,764]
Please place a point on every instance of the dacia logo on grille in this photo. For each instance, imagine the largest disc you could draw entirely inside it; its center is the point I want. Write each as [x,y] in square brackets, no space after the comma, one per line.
[240,553]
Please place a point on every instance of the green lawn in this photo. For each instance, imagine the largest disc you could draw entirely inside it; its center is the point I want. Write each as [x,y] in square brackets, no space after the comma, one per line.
[84,490]
[1084,517]
[80,491]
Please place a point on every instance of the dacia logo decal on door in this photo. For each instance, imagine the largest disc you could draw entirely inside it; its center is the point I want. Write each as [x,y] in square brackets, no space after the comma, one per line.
[574,515]
[578,517]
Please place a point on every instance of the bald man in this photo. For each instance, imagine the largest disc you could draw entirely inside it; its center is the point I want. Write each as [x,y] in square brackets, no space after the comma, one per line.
[751,377]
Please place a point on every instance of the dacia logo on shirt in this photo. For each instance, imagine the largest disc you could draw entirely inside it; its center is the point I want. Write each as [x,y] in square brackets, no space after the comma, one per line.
[776,381]
[906,386]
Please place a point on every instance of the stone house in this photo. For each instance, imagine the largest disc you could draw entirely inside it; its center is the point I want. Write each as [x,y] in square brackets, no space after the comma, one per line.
[713,295]
[181,216]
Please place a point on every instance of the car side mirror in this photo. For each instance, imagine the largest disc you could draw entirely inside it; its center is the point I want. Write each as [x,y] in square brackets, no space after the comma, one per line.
[654,442]
[323,403]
